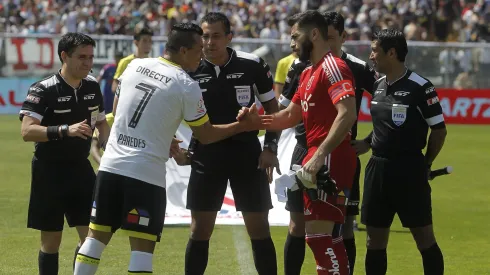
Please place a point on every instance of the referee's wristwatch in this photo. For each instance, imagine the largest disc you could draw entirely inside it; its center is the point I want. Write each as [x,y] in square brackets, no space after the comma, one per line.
[271,146]
[64,130]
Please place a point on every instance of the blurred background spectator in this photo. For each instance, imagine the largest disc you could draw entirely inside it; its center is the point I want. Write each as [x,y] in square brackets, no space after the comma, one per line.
[420,20]
[423,20]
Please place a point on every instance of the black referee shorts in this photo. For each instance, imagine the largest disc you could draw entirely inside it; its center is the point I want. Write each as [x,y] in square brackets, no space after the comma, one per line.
[134,206]
[396,186]
[295,198]
[59,190]
[355,193]
[237,161]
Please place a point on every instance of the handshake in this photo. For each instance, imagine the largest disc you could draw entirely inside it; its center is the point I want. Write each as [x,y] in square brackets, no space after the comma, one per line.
[250,120]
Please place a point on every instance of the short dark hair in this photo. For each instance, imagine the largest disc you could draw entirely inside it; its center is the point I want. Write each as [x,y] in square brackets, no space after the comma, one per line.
[118,54]
[143,31]
[215,17]
[335,19]
[311,19]
[70,41]
[293,19]
[392,38]
[182,35]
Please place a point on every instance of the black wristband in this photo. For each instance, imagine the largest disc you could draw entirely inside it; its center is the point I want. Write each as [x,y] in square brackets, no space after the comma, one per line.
[270,137]
[52,132]
[193,144]
[64,130]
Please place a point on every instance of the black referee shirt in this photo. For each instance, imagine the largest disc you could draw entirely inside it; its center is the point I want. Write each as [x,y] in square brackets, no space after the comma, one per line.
[54,102]
[402,113]
[364,77]
[228,88]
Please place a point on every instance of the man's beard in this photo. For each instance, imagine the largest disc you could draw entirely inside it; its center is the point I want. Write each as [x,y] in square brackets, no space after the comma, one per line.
[305,50]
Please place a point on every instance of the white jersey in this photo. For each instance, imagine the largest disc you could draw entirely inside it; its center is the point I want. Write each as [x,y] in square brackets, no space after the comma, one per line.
[155,96]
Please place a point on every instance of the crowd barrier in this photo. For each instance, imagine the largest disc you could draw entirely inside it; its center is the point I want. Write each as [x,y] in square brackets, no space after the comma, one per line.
[37,55]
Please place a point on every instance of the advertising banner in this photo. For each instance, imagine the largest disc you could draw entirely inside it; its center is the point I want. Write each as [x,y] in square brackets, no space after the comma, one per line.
[27,56]
[13,91]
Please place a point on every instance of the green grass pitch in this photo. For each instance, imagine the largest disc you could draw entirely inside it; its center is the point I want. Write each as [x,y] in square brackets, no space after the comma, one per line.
[460,205]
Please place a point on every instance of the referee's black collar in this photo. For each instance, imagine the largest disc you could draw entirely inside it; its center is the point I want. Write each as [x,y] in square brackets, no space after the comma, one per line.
[343,56]
[407,72]
[231,53]
[62,80]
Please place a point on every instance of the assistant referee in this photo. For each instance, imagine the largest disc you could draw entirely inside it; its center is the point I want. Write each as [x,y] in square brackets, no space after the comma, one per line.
[403,107]
[59,114]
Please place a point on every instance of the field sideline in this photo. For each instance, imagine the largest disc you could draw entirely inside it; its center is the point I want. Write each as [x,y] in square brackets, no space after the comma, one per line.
[460,205]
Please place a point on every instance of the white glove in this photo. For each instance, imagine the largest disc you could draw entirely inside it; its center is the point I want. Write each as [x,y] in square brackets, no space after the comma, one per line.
[306,179]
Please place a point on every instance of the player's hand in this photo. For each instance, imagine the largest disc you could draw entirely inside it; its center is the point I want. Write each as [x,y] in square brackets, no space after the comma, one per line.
[182,157]
[313,166]
[250,119]
[242,113]
[174,147]
[81,130]
[268,161]
[360,146]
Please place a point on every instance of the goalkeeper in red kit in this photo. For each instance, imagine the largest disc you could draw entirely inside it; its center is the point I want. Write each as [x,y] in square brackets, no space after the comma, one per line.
[325,101]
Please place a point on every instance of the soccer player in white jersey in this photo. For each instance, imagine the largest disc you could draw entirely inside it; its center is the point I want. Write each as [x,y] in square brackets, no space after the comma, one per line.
[156,94]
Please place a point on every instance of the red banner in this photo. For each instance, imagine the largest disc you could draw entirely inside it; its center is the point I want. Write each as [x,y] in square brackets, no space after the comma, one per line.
[458,106]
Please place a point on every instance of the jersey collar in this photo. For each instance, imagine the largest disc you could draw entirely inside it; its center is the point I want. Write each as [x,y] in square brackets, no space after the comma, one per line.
[62,80]
[231,53]
[343,56]
[391,84]
[168,62]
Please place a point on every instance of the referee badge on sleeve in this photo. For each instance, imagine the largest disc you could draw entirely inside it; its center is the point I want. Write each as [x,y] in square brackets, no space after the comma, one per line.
[94,112]
[243,95]
[399,114]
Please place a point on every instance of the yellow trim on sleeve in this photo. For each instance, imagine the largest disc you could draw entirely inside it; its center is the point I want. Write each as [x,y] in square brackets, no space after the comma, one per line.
[139,235]
[198,122]
[101,228]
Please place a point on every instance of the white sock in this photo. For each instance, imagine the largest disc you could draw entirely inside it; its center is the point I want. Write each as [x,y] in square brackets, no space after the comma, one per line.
[140,262]
[88,257]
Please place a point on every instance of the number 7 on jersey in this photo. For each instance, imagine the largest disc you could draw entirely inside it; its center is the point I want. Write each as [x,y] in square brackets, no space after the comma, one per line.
[149,90]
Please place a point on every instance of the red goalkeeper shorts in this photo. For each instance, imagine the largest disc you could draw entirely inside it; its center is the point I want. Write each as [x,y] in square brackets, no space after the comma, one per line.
[342,166]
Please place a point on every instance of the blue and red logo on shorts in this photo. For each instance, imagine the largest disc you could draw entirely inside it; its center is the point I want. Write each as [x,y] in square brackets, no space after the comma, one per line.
[138,216]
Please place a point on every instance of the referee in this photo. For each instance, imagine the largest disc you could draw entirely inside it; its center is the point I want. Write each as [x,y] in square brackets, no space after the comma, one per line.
[230,80]
[403,107]
[59,114]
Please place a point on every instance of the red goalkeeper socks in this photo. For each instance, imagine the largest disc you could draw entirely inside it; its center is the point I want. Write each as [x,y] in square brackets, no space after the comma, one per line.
[327,260]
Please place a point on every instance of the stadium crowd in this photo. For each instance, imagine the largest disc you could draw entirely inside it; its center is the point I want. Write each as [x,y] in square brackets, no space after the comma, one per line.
[426,20]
